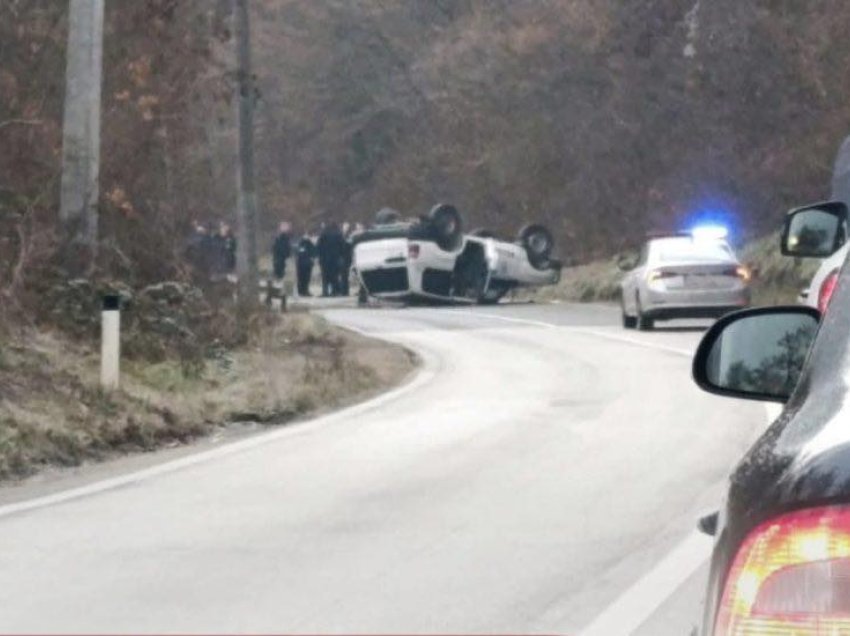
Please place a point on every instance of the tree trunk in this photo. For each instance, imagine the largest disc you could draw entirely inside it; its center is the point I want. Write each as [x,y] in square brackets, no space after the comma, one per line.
[246,204]
[81,133]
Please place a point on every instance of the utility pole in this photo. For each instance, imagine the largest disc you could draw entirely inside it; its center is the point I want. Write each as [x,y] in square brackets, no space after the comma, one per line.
[81,133]
[246,207]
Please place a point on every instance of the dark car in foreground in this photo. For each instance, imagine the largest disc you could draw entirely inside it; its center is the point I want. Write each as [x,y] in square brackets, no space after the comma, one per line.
[781,560]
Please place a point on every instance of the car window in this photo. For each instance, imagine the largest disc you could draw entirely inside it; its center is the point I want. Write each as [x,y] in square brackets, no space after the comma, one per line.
[688,249]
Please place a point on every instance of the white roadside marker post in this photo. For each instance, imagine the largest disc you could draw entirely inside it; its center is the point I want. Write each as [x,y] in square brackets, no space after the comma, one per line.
[110,342]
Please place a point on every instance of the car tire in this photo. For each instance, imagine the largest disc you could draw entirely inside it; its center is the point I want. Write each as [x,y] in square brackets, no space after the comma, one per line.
[446,226]
[644,323]
[538,242]
[629,322]
[493,297]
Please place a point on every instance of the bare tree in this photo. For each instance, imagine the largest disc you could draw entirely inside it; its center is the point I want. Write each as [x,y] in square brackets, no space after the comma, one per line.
[81,129]
[246,206]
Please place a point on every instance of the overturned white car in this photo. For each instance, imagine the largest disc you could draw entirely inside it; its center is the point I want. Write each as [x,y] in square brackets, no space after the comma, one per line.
[433,260]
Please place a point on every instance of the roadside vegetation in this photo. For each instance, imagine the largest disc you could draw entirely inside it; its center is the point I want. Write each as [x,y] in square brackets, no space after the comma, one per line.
[53,412]
[777,279]
[599,118]
[191,362]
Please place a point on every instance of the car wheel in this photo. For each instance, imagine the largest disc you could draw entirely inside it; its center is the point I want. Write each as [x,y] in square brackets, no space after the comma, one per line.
[538,243]
[493,296]
[644,323]
[446,226]
[629,322]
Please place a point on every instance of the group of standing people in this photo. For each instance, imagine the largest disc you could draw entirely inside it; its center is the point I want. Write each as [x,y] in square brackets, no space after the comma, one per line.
[212,253]
[331,247]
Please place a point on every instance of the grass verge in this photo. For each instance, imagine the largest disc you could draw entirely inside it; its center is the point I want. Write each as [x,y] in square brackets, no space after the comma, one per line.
[52,411]
[777,279]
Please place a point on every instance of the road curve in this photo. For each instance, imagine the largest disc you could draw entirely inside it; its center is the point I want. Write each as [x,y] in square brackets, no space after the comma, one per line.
[544,462]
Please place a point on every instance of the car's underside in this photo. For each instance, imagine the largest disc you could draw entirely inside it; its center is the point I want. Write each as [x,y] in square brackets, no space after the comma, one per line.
[430,260]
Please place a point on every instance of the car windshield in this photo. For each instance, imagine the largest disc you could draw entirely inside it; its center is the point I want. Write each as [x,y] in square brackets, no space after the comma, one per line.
[688,249]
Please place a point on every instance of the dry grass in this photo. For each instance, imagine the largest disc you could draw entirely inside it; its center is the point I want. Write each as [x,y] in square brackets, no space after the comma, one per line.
[53,413]
[777,279]
[594,282]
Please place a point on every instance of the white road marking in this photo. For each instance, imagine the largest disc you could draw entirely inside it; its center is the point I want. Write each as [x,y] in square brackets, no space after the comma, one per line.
[420,378]
[773,411]
[590,332]
[644,597]
[627,613]
[633,341]
[640,601]
[521,321]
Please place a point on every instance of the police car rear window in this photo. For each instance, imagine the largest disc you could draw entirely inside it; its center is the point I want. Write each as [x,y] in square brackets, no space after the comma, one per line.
[688,249]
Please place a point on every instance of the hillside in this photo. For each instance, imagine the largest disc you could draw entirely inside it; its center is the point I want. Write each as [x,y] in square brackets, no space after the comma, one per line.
[601,118]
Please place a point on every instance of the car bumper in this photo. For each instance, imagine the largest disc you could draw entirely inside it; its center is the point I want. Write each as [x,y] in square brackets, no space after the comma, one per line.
[695,304]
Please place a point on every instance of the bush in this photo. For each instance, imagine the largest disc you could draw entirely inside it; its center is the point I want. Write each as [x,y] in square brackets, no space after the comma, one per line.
[163,321]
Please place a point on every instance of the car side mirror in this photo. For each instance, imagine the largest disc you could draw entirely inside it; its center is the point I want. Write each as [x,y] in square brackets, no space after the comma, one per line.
[756,354]
[817,230]
[627,262]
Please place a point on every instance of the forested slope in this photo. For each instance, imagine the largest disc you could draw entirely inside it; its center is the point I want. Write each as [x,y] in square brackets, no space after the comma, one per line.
[600,117]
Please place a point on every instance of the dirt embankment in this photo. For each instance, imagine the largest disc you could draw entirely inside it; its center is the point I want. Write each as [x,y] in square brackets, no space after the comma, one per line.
[52,411]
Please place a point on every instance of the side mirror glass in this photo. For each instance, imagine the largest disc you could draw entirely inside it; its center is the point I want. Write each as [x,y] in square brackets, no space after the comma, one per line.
[756,354]
[816,230]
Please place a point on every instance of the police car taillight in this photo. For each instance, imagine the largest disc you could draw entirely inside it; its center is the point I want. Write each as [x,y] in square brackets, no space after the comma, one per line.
[791,576]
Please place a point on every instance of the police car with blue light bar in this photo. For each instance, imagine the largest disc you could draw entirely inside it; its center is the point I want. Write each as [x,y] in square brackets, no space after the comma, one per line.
[683,275]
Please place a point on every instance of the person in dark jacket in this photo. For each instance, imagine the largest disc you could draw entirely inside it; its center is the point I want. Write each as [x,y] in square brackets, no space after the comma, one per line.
[218,254]
[223,250]
[346,259]
[281,250]
[198,248]
[331,246]
[305,255]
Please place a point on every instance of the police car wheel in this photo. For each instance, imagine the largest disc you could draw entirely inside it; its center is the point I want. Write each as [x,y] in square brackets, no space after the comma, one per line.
[644,323]
[629,322]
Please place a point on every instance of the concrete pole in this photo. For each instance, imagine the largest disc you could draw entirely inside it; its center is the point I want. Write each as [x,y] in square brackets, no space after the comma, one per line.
[81,124]
[246,208]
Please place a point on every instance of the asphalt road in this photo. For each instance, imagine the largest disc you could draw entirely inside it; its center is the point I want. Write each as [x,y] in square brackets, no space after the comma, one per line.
[541,474]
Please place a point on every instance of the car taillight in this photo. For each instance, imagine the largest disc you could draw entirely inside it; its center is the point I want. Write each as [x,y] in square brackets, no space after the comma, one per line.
[791,576]
[658,274]
[826,289]
[413,251]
